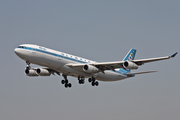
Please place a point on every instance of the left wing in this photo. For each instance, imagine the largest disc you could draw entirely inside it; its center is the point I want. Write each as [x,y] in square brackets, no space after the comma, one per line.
[102,66]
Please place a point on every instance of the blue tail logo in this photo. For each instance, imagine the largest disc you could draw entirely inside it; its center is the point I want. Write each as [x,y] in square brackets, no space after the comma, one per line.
[131,55]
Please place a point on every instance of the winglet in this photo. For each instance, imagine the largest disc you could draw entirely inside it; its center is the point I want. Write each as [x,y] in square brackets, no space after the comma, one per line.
[174,55]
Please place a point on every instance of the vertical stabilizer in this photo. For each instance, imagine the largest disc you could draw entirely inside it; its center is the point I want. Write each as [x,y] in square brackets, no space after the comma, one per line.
[131,55]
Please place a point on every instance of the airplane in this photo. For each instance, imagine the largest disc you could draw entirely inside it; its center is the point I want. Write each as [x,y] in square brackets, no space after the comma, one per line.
[69,65]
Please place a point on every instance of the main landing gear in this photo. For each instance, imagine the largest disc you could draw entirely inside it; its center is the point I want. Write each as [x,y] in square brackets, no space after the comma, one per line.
[66,82]
[81,80]
[93,81]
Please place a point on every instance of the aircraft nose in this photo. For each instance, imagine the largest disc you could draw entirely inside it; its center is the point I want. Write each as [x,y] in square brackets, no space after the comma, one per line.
[16,51]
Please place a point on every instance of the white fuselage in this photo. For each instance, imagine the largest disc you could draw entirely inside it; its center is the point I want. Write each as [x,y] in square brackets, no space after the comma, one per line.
[58,61]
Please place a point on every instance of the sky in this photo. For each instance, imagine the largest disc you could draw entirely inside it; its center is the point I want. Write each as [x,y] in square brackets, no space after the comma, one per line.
[100,30]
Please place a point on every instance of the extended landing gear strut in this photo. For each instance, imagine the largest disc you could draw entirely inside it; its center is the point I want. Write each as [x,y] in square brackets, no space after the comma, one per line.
[28,65]
[93,81]
[66,82]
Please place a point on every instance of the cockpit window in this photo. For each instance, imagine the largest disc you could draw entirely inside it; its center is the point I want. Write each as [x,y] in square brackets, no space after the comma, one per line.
[22,47]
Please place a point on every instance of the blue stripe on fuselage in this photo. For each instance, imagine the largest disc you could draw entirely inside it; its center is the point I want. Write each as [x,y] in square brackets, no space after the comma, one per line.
[57,55]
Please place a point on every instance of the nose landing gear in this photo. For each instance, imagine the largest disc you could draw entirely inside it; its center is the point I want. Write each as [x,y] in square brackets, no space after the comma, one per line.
[28,65]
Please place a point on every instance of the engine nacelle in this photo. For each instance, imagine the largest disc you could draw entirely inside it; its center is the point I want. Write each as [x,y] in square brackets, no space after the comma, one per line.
[31,72]
[130,65]
[43,72]
[90,69]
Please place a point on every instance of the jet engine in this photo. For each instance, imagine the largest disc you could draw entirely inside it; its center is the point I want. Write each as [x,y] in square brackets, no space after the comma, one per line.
[130,65]
[90,69]
[43,72]
[31,72]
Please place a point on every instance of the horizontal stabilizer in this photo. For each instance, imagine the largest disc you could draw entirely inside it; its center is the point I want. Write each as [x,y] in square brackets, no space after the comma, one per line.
[132,74]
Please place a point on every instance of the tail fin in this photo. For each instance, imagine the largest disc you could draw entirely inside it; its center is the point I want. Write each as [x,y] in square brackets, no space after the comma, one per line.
[130,56]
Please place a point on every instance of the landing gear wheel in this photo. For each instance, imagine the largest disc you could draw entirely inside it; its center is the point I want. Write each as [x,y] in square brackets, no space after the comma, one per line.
[90,80]
[81,81]
[93,83]
[66,85]
[96,83]
[69,85]
[28,68]
[63,81]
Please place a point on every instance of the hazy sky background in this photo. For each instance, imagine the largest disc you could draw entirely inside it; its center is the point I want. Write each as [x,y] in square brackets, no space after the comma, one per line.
[103,31]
